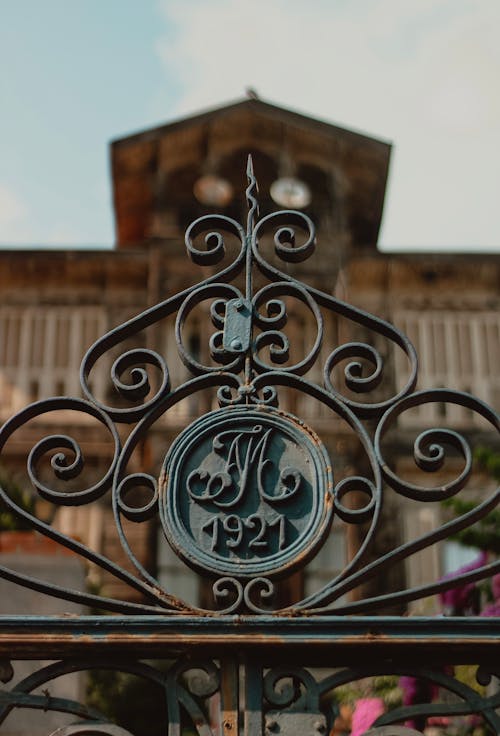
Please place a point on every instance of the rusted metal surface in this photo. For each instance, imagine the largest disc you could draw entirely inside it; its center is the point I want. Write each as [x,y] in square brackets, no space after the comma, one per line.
[446,639]
[261,494]
[246,496]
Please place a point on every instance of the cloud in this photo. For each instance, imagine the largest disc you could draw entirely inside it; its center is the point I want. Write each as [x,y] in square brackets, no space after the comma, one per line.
[17,224]
[422,74]
[13,217]
[11,207]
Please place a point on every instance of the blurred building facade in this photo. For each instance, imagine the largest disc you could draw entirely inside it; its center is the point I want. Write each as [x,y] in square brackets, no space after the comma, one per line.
[55,304]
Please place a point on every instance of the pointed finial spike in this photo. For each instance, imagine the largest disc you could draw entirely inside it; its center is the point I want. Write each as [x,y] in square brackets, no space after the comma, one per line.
[250,173]
[252,188]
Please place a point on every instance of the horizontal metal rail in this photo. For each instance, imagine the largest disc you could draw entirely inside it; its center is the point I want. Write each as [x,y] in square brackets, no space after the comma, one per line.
[331,640]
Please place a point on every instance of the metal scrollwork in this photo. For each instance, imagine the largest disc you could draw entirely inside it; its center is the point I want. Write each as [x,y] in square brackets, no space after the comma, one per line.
[201,694]
[183,689]
[222,293]
[276,317]
[452,698]
[247,493]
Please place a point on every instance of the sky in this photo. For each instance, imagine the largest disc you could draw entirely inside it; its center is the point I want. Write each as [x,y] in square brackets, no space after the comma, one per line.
[424,75]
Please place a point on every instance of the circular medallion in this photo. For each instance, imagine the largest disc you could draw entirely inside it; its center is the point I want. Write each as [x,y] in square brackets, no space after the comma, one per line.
[246,492]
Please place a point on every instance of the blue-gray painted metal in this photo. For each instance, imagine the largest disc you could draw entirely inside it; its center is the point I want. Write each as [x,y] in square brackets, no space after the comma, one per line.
[247,495]
[243,545]
[246,492]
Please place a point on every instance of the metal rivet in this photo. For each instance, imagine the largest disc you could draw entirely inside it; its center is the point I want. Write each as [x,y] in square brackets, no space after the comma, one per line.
[238,305]
[236,344]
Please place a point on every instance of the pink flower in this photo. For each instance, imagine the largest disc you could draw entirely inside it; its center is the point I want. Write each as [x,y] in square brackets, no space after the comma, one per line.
[491,610]
[416,691]
[495,586]
[409,686]
[460,598]
[366,712]
[438,721]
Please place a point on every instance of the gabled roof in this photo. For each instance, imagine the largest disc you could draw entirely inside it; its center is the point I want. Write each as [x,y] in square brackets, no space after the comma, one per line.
[142,163]
[258,106]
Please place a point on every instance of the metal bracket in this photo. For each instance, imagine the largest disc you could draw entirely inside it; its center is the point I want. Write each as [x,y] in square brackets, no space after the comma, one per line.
[237,326]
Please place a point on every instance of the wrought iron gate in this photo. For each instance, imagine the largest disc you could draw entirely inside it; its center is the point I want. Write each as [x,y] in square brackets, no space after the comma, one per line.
[246,497]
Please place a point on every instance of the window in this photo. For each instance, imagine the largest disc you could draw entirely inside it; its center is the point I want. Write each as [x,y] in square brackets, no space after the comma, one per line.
[41,349]
[457,349]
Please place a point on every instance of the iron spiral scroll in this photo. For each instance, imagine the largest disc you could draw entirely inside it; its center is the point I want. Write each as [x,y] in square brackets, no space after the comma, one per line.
[246,494]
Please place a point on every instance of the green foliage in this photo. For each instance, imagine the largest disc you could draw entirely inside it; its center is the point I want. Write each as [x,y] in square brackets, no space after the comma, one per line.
[9,520]
[482,535]
[489,461]
[128,701]
[485,533]
[387,688]
[466,673]
[131,702]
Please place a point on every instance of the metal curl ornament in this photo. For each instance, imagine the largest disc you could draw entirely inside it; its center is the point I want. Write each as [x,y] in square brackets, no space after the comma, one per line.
[223,590]
[68,468]
[429,445]
[220,293]
[353,372]
[230,396]
[136,389]
[63,467]
[139,386]
[278,341]
[203,684]
[276,313]
[253,506]
[285,236]
[263,589]
[280,688]
[266,396]
[246,496]
[214,240]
